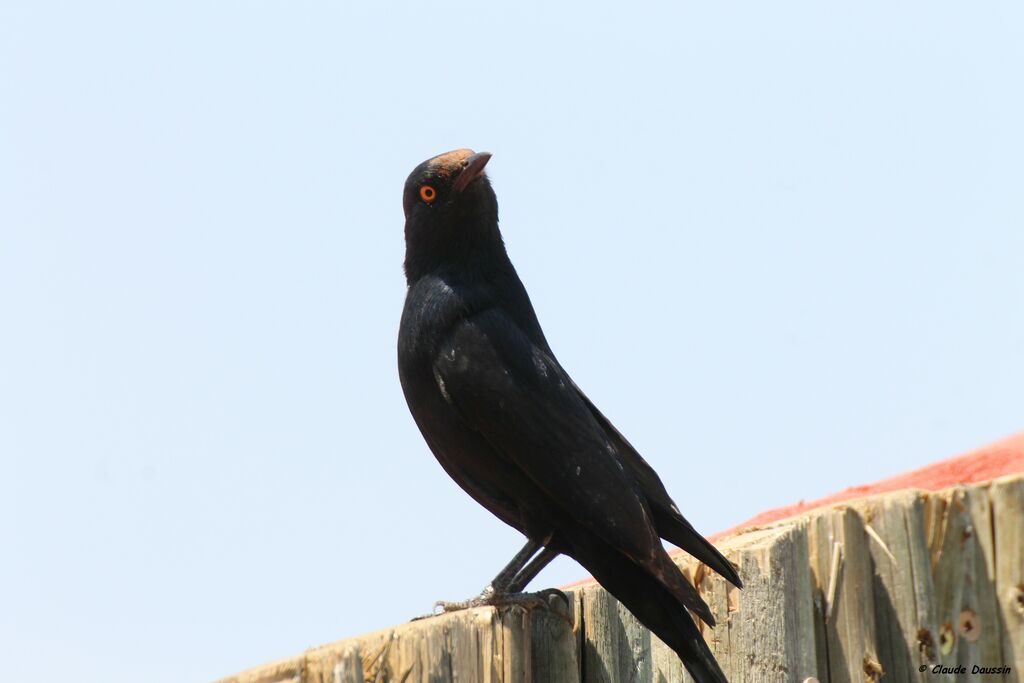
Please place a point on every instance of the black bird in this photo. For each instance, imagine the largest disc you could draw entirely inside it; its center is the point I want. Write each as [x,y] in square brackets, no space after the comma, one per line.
[513,430]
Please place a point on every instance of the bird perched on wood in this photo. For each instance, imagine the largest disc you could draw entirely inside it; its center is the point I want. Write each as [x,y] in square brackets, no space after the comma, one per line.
[512,429]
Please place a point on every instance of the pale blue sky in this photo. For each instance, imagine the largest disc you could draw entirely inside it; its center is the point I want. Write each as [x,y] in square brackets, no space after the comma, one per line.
[779,244]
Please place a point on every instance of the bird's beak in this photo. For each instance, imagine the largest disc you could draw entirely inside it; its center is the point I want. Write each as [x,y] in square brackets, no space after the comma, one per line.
[472,167]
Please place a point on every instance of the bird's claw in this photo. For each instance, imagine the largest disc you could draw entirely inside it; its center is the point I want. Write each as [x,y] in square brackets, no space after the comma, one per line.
[484,599]
[545,599]
[551,596]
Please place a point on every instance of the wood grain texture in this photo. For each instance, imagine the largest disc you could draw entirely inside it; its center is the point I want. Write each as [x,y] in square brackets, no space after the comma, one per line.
[959,531]
[1007,496]
[766,632]
[615,646]
[841,562]
[903,589]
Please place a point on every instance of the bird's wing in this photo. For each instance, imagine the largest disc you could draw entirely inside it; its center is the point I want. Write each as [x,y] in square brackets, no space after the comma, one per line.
[516,396]
[668,520]
[521,401]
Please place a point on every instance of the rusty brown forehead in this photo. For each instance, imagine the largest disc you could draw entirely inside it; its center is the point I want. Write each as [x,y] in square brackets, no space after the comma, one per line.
[449,163]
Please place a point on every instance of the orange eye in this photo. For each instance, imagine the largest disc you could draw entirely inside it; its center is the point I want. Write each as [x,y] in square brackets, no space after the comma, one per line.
[428,193]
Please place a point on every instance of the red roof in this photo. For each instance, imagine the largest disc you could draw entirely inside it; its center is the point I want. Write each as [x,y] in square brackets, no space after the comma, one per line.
[984,464]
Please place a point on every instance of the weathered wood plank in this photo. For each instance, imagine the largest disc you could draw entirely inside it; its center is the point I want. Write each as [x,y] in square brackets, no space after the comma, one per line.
[841,563]
[616,647]
[1007,496]
[966,609]
[983,646]
[334,665]
[902,583]
[766,632]
[484,645]
[290,670]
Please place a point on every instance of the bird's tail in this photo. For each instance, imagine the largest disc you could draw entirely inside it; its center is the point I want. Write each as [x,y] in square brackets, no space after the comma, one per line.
[674,528]
[656,607]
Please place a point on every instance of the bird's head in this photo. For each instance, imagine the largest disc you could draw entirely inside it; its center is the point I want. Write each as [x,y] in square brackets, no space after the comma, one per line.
[450,209]
[447,187]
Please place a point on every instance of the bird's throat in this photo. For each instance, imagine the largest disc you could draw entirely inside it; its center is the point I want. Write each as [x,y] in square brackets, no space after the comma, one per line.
[471,250]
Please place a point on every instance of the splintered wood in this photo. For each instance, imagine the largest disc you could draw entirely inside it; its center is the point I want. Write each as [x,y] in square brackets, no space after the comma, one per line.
[908,587]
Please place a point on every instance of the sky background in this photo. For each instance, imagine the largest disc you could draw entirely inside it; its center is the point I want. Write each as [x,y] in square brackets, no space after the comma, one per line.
[779,244]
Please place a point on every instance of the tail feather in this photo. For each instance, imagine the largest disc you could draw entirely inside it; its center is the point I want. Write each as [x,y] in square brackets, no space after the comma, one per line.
[670,523]
[655,606]
[698,660]
[674,528]
[668,575]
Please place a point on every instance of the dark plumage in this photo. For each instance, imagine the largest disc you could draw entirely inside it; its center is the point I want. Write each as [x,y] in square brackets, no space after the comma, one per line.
[513,430]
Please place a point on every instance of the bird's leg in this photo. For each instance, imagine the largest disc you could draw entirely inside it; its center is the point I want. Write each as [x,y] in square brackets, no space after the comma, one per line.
[541,598]
[497,591]
[500,583]
[530,571]
[506,588]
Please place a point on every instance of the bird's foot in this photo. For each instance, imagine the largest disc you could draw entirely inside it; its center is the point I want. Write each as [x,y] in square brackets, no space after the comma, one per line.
[545,599]
[549,599]
[487,595]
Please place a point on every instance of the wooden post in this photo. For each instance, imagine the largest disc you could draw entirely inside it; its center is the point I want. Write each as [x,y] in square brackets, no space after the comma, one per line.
[865,591]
